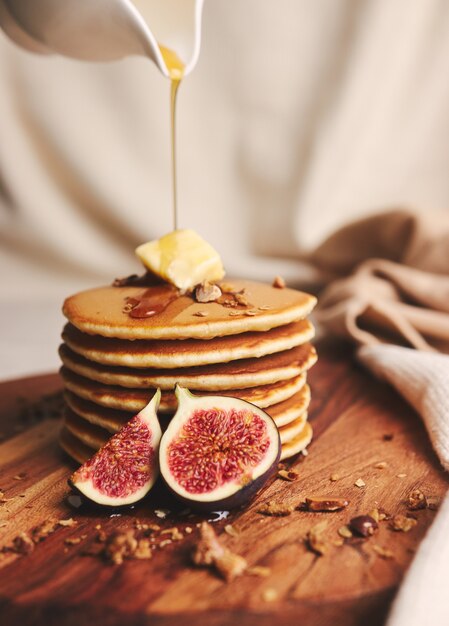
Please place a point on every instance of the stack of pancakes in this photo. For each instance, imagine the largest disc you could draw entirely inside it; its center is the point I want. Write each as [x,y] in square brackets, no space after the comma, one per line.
[254,347]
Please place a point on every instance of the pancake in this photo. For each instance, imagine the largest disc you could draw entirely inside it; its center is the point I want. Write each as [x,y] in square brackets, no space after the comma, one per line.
[187,352]
[135,399]
[291,431]
[101,311]
[112,420]
[244,373]
[298,444]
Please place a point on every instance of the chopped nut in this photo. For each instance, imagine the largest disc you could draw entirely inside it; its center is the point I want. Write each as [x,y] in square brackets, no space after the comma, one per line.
[363,525]
[279,282]
[289,475]
[314,539]
[3,524]
[22,544]
[67,522]
[416,500]
[164,543]
[207,292]
[188,530]
[210,552]
[201,314]
[276,509]
[161,513]
[241,299]
[101,536]
[401,475]
[98,527]
[318,504]
[383,514]
[433,502]
[334,477]
[338,543]
[250,313]
[381,465]
[360,483]
[20,476]
[235,313]
[374,513]
[384,553]
[119,546]
[270,595]
[345,532]
[259,570]
[42,531]
[143,550]
[174,533]
[72,541]
[230,530]
[402,523]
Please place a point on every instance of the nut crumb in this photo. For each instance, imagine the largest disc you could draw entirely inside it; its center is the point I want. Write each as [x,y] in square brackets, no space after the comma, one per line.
[207,292]
[22,544]
[241,299]
[314,539]
[230,530]
[44,529]
[143,550]
[120,546]
[433,502]
[161,513]
[276,509]
[67,522]
[201,314]
[19,476]
[325,504]
[416,500]
[209,552]
[360,483]
[250,313]
[345,532]
[381,465]
[72,541]
[264,307]
[384,553]
[270,595]
[164,543]
[259,570]
[401,475]
[289,475]
[279,282]
[174,533]
[402,523]
[188,530]
[374,513]
[334,477]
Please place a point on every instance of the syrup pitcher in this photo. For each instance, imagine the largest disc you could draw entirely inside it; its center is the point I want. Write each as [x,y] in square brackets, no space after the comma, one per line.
[105,30]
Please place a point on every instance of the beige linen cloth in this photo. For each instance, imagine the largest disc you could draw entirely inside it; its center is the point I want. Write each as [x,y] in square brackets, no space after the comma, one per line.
[390,294]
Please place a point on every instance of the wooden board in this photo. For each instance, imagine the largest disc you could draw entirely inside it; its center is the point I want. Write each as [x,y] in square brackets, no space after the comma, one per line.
[350,585]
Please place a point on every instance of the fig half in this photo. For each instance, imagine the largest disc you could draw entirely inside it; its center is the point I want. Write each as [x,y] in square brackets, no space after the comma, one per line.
[126,467]
[217,451]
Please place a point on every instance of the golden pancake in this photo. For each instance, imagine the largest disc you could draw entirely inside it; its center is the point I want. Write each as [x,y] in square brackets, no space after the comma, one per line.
[112,419]
[298,444]
[291,431]
[244,373]
[187,352]
[135,399]
[102,311]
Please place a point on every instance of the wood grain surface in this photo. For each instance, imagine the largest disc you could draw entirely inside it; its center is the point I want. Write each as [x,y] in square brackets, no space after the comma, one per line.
[358,423]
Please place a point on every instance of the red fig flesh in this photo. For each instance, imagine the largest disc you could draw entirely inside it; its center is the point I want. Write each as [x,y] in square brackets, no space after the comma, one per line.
[217,451]
[126,467]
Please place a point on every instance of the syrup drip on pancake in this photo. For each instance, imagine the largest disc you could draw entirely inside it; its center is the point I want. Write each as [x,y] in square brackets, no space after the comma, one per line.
[151,302]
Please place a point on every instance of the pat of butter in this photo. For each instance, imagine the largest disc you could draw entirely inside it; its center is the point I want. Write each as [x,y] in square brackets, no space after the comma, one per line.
[182,258]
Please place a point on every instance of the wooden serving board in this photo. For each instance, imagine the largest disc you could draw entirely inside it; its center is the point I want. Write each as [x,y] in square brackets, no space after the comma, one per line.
[358,423]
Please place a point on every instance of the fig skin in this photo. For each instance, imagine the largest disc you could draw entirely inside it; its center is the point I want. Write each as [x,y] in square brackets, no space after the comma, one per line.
[241,495]
[83,480]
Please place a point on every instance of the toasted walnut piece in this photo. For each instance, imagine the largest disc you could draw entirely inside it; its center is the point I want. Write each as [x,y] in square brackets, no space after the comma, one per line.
[338,543]
[374,513]
[210,552]
[174,533]
[67,522]
[42,531]
[72,541]
[270,595]
[325,504]
[241,299]
[403,523]
[201,314]
[360,483]
[416,500]
[433,502]
[22,544]
[334,477]
[363,525]
[164,543]
[207,292]
[279,282]
[188,530]
[230,530]
[276,509]
[143,550]
[289,475]
[119,546]
[315,540]
[381,465]
[101,536]
[345,532]
[384,553]
[259,570]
